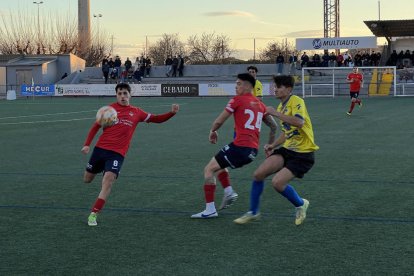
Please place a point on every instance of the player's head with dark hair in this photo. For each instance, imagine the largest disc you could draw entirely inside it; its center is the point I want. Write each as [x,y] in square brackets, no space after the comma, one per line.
[122,85]
[251,67]
[283,86]
[123,93]
[252,71]
[284,80]
[247,77]
[245,83]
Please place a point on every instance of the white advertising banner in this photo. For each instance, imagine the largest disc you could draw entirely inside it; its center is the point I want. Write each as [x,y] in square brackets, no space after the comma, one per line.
[105,89]
[226,89]
[336,43]
[146,90]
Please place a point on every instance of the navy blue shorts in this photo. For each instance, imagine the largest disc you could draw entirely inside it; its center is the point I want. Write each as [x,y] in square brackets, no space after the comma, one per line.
[103,160]
[234,156]
[298,163]
[354,95]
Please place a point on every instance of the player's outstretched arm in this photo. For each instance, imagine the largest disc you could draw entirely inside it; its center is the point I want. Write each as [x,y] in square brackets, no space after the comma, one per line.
[175,108]
[161,118]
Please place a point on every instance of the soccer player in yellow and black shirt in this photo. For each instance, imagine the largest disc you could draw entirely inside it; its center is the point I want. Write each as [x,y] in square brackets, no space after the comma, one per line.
[258,87]
[290,155]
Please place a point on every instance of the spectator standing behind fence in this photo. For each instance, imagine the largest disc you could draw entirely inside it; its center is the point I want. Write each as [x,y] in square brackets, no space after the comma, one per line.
[293,59]
[137,75]
[358,59]
[180,65]
[118,64]
[148,65]
[168,65]
[111,64]
[105,71]
[304,60]
[128,64]
[279,63]
[325,59]
[174,66]
[316,60]
[340,60]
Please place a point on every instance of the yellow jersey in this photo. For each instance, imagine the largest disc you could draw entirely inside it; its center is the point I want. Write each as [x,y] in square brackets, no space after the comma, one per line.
[297,139]
[258,89]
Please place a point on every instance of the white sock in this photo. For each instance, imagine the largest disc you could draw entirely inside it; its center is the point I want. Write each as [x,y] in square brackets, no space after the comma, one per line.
[210,207]
[228,190]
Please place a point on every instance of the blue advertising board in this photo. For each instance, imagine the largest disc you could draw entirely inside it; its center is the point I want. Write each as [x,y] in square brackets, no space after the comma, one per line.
[37,90]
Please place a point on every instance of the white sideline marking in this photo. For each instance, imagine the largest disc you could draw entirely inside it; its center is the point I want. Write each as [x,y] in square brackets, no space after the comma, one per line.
[48,114]
[51,121]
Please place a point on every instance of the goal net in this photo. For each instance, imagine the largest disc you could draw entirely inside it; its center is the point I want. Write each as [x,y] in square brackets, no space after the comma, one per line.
[331,81]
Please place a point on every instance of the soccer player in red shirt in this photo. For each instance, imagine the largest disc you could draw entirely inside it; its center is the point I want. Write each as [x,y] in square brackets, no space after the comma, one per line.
[248,112]
[112,146]
[356,81]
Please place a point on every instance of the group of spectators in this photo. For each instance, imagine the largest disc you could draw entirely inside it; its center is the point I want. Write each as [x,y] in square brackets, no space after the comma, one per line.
[333,60]
[174,65]
[402,59]
[113,69]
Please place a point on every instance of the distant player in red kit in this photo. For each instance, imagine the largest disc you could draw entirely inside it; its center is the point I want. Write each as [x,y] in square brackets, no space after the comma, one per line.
[356,81]
[248,112]
[112,146]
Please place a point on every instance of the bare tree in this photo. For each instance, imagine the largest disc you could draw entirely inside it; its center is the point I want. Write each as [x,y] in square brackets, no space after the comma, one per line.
[208,48]
[168,45]
[273,49]
[59,35]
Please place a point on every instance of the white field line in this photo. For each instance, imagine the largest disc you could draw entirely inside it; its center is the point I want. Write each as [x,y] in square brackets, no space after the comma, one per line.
[48,114]
[50,121]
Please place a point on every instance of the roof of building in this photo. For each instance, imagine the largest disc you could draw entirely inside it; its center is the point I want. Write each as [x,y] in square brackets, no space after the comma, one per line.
[391,28]
[31,60]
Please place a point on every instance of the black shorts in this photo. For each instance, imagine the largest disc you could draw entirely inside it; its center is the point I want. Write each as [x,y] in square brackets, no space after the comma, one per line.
[103,160]
[234,156]
[298,163]
[354,95]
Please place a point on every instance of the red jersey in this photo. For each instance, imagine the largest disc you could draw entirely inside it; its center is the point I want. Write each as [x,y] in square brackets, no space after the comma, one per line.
[248,112]
[357,79]
[118,137]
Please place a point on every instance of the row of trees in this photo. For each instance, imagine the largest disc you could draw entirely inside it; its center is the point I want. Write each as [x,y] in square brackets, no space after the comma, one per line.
[211,48]
[21,34]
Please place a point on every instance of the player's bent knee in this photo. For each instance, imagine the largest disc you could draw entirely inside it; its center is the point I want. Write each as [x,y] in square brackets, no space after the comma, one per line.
[354,100]
[259,175]
[88,177]
[278,186]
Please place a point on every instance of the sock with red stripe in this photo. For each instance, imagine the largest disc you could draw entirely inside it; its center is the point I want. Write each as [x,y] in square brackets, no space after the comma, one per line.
[209,190]
[99,204]
[224,179]
[352,107]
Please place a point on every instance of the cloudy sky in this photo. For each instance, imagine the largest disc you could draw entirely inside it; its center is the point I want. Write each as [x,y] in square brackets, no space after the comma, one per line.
[131,21]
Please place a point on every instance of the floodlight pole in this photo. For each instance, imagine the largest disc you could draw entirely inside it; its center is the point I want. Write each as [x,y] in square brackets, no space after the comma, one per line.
[38,18]
[97,16]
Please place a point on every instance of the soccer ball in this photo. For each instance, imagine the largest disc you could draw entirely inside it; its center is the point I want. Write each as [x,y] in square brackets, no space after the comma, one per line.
[106,116]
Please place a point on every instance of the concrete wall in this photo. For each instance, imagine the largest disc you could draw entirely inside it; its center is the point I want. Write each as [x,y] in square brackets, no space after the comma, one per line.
[49,73]
[69,64]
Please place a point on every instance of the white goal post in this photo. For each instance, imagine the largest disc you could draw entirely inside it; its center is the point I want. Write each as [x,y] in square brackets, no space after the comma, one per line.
[331,81]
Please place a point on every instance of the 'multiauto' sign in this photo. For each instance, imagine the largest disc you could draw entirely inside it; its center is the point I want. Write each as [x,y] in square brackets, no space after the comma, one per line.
[336,43]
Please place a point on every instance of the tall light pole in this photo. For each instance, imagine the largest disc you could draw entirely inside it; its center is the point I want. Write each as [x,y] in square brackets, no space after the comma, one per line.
[38,18]
[97,16]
